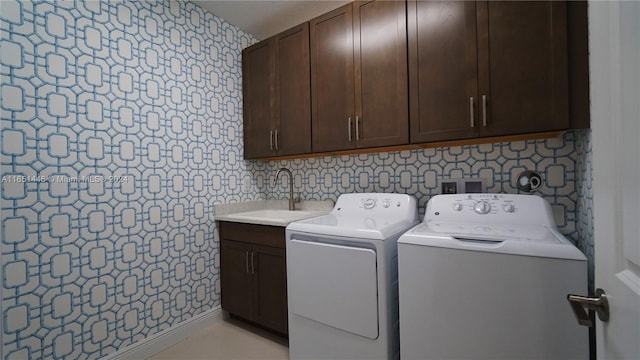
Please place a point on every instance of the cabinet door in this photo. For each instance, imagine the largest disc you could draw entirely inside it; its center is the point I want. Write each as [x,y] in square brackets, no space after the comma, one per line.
[578,57]
[332,81]
[293,91]
[443,83]
[271,285]
[236,280]
[380,51]
[522,61]
[257,73]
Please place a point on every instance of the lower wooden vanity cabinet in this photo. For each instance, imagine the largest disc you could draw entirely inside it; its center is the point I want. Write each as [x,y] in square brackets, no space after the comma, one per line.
[253,276]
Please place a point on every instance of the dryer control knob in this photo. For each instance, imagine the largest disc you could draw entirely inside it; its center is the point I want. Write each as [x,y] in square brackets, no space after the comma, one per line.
[482,207]
[386,203]
[369,203]
[508,208]
[457,207]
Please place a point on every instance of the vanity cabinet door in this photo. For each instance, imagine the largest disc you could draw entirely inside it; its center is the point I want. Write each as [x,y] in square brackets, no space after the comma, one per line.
[270,274]
[236,280]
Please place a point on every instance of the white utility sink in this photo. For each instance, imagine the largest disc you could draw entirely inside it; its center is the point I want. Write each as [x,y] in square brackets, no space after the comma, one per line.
[275,216]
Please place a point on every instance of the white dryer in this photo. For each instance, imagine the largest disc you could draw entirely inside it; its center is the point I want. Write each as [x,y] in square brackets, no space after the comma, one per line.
[342,278]
[486,276]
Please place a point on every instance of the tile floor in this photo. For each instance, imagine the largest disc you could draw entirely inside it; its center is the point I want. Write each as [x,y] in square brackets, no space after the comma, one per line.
[228,339]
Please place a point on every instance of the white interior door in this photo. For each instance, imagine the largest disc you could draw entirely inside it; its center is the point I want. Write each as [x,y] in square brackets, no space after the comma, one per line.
[614,30]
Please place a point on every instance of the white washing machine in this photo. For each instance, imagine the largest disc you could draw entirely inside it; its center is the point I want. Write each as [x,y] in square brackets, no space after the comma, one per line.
[342,278]
[486,276]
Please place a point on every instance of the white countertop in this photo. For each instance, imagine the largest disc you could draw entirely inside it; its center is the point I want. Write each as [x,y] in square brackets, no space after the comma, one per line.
[271,212]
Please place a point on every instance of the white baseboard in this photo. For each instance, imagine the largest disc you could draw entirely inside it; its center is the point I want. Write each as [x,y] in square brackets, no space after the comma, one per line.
[168,337]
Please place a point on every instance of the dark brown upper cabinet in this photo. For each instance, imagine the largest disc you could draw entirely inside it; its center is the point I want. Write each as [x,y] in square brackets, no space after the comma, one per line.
[276,95]
[578,39]
[257,98]
[487,68]
[359,76]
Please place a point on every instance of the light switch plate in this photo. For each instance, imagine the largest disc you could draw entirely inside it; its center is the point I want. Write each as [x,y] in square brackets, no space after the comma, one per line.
[449,187]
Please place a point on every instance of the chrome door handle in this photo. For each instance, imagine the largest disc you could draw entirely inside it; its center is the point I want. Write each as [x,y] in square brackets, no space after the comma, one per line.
[276,136]
[471,111]
[349,128]
[270,139]
[357,128]
[246,260]
[599,304]
[484,110]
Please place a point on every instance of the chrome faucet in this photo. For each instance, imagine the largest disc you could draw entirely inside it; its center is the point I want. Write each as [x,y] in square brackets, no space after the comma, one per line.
[292,201]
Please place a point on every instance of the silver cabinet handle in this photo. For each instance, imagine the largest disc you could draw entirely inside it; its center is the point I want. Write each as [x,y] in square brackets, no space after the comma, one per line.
[246,260]
[349,128]
[276,136]
[252,262]
[271,139]
[599,303]
[471,111]
[484,110]
[357,128]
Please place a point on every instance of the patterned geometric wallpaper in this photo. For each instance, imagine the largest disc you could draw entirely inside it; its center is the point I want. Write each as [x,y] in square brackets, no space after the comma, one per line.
[121,128]
[417,172]
[585,200]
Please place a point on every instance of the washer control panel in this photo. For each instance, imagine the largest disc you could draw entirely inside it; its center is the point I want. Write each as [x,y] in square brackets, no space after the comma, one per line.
[494,208]
[482,207]
[369,203]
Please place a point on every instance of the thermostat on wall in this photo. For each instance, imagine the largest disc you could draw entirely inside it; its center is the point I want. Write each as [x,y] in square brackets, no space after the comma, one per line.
[463,186]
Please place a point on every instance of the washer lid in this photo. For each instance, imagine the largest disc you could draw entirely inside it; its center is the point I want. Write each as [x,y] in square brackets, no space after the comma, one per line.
[515,239]
[362,227]
[493,232]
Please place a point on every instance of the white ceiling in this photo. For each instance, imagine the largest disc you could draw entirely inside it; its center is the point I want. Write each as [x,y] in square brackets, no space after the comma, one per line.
[265,18]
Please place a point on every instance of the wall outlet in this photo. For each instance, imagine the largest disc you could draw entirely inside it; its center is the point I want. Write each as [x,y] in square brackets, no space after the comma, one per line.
[474,186]
[463,186]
